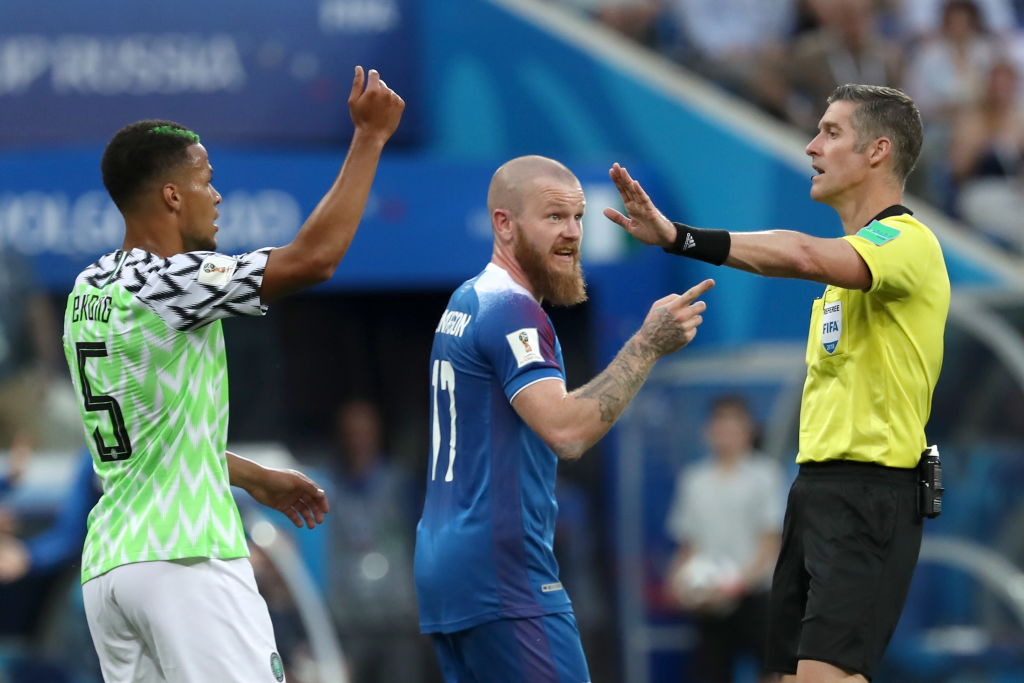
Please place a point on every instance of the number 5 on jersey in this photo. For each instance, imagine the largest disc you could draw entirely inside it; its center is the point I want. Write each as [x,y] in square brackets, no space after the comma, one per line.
[443,379]
[122,450]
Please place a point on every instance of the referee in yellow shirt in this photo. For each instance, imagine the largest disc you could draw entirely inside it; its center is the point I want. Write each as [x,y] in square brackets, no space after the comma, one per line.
[874,350]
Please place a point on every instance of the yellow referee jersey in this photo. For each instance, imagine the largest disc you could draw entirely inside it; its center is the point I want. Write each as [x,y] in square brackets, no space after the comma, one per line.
[873,356]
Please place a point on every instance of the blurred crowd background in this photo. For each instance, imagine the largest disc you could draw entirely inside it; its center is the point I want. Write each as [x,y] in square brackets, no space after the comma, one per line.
[709,102]
[960,60]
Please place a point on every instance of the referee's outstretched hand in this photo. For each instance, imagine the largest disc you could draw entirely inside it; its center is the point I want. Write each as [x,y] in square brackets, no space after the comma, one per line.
[673,320]
[643,221]
[292,493]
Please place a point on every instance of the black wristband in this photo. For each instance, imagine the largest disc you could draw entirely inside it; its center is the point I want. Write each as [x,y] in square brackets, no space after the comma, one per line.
[704,244]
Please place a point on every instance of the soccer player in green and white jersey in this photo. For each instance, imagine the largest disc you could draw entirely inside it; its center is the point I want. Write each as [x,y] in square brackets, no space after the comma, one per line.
[169,591]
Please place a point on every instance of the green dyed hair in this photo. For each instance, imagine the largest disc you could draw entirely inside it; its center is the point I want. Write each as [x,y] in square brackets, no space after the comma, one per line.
[140,153]
[175,130]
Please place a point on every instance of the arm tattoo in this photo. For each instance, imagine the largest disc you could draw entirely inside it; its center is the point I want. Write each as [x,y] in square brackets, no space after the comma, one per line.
[666,333]
[614,388]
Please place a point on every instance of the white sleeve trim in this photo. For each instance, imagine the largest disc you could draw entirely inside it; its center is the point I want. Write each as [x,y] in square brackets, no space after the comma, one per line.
[530,384]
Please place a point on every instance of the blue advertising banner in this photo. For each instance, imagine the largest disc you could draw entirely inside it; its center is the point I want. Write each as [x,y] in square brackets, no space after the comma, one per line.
[266,70]
[426,223]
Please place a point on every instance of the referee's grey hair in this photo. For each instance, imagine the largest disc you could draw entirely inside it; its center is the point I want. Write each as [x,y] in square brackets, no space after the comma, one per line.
[884,112]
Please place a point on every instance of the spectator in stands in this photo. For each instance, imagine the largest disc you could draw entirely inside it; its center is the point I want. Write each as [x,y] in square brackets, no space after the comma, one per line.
[1014,45]
[634,19]
[371,592]
[987,159]
[847,47]
[62,542]
[947,71]
[33,568]
[946,74]
[922,18]
[576,550]
[736,43]
[726,516]
[292,640]
[29,353]
[17,461]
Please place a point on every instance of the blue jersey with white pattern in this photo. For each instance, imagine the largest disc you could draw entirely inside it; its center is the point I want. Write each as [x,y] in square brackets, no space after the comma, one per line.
[484,542]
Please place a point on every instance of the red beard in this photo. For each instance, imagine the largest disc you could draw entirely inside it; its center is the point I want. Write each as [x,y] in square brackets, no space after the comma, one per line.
[561,289]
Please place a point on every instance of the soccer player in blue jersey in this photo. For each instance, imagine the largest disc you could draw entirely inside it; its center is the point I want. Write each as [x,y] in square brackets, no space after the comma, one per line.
[486,577]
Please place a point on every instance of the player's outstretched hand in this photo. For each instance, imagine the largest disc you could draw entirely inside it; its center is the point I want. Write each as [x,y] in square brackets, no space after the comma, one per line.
[375,108]
[644,221]
[292,493]
[673,320]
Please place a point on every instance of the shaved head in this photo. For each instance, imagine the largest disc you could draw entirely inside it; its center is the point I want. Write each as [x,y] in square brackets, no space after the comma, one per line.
[536,206]
[514,179]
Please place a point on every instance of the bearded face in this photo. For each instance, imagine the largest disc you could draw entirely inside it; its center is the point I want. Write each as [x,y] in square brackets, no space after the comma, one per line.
[555,273]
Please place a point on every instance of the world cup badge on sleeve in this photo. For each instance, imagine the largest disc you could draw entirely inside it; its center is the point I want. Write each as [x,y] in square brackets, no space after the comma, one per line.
[525,344]
[216,270]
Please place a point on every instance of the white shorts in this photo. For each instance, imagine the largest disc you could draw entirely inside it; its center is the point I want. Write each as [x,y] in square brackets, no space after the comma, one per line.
[185,620]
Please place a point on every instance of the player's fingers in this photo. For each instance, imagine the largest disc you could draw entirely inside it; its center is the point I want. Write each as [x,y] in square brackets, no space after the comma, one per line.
[357,84]
[665,300]
[373,80]
[692,293]
[291,514]
[314,511]
[303,507]
[319,503]
[683,311]
[314,499]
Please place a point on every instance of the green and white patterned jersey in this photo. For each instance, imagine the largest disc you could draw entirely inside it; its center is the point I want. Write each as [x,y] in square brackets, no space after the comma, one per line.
[143,340]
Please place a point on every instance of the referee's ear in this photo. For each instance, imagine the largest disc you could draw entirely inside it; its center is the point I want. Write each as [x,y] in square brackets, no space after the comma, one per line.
[879,151]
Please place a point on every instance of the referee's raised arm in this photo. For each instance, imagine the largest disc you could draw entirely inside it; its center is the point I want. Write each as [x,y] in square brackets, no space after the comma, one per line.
[772,253]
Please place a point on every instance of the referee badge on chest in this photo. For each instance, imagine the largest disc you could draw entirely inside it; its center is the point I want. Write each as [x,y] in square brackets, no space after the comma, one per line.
[831,325]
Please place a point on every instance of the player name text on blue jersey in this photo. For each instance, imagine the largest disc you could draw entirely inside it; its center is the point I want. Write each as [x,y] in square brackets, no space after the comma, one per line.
[453,323]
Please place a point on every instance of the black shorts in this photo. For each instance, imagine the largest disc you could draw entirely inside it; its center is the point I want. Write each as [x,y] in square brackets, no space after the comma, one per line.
[849,546]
